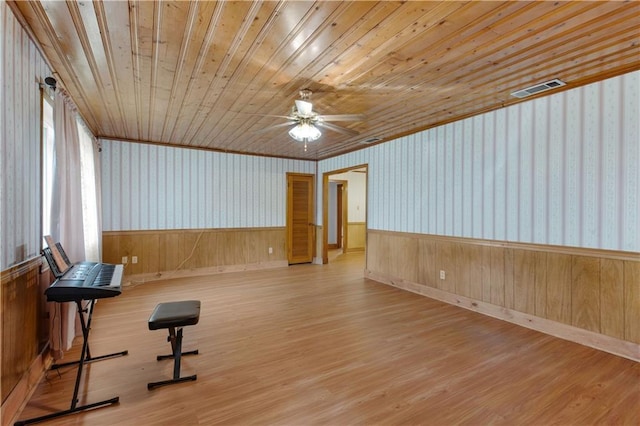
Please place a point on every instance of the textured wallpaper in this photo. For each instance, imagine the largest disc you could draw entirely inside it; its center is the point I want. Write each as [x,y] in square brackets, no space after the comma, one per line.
[154,187]
[20,198]
[562,170]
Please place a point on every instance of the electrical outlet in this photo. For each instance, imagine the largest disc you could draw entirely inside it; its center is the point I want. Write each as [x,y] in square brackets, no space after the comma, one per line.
[270,250]
[134,259]
[124,260]
[442,274]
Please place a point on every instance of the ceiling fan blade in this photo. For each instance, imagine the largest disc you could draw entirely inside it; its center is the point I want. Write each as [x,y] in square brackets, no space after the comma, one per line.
[338,129]
[275,126]
[342,117]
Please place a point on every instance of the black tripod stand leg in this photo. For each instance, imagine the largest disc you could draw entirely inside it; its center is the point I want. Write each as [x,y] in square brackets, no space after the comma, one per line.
[83,359]
[67,412]
[92,359]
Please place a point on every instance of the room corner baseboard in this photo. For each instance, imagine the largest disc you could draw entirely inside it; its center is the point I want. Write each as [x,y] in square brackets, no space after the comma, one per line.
[594,340]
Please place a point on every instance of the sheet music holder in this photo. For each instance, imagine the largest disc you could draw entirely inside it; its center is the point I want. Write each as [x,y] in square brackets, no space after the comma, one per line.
[59,264]
[56,257]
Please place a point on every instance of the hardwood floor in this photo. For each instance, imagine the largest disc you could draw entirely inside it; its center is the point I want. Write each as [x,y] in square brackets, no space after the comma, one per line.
[312,344]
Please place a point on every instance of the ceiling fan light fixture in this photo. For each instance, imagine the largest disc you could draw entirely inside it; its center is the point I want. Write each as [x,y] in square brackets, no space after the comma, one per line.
[305,132]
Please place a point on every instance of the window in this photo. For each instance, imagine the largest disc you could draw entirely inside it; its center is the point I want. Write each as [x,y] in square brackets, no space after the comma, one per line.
[89,194]
[48,162]
[53,180]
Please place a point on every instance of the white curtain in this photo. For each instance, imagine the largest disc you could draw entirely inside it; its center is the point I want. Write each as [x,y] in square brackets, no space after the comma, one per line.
[98,194]
[71,209]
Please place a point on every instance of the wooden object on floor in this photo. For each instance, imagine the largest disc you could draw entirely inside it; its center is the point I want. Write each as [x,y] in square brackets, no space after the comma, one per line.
[320,344]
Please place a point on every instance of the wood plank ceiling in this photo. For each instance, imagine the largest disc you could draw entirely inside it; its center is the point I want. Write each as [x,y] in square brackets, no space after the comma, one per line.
[203,74]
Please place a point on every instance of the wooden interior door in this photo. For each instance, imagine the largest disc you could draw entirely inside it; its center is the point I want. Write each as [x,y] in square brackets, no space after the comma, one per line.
[300,228]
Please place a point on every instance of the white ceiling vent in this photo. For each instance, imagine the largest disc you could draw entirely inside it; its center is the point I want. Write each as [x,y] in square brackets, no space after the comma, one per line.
[542,87]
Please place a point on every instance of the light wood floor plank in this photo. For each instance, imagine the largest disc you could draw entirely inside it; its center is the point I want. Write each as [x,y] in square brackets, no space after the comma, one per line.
[321,345]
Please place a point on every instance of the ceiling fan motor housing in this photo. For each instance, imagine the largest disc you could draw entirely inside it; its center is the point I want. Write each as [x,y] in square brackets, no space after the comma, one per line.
[304,108]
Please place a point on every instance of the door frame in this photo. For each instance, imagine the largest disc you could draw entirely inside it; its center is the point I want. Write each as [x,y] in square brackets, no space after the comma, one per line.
[325,208]
[342,188]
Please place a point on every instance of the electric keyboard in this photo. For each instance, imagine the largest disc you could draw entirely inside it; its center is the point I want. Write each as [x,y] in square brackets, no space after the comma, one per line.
[78,282]
[86,281]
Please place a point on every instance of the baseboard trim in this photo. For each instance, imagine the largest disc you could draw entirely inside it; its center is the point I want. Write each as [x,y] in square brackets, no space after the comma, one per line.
[594,340]
[354,250]
[130,280]
[24,389]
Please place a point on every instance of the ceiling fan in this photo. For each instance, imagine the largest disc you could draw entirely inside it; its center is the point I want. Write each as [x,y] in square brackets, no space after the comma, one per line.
[305,121]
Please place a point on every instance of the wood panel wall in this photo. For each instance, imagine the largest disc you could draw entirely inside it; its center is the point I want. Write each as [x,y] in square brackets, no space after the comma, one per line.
[356,236]
[165,253]
[596,291]
[25,326]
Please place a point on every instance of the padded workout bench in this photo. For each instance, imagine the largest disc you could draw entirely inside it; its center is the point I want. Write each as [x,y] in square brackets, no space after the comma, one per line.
[174,316]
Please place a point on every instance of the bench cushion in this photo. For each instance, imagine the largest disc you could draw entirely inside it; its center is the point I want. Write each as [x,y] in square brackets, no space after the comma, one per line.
[175,314]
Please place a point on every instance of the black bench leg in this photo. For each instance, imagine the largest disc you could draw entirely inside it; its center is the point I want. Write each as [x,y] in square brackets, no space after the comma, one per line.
[176,348]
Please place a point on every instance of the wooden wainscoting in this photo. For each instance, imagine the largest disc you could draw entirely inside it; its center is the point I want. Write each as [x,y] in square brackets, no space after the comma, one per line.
[585,295]
[25,333]
[174,253]
[356,238]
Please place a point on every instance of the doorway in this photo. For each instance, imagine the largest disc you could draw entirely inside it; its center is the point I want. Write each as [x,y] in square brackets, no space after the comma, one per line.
[300,227]
[337,220]
[344,211]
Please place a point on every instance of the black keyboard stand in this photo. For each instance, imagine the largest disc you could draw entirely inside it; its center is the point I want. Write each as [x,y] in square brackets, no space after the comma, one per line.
[85,357]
